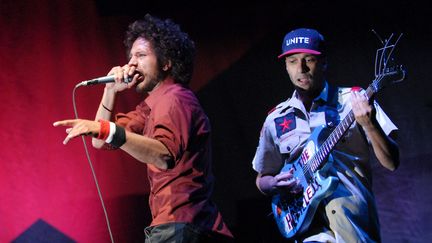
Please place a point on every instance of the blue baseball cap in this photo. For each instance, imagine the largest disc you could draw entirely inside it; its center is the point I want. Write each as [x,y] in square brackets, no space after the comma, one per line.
[302,40]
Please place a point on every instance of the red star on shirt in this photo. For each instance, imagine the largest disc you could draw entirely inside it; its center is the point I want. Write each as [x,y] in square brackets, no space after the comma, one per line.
[285,124]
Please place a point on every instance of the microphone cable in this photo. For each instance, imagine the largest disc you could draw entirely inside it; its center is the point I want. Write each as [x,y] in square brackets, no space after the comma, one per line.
[92,169]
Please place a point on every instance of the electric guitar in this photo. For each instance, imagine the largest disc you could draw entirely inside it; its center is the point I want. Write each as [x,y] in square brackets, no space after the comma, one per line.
[294,212]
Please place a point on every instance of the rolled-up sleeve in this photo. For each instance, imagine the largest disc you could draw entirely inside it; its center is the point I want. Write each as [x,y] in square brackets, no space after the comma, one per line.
[386,124]
[171,125]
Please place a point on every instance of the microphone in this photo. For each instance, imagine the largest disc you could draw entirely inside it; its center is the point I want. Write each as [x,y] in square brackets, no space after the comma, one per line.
[101,80]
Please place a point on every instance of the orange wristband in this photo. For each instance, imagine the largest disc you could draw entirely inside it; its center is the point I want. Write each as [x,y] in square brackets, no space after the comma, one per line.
[104,129]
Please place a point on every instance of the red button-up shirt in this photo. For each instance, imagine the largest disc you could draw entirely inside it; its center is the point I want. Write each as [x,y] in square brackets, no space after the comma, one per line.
[172,115]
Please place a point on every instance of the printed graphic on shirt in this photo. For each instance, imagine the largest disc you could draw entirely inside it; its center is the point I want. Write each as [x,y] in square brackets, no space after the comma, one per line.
[285,124]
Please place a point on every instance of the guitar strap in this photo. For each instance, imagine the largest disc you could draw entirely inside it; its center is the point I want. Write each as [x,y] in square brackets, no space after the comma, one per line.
[331,113]
[332,95]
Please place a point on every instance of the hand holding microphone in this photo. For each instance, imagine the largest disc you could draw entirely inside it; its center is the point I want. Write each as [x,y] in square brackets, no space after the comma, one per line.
[127,74]
[101,80]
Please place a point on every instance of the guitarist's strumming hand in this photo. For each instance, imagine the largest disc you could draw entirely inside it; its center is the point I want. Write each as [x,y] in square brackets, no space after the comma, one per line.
[283,182]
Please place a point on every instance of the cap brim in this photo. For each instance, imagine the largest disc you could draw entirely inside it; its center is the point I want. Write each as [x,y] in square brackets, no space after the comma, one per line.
[299,51]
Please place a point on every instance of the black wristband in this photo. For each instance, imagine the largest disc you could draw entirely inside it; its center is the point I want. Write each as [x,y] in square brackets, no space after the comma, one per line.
[119,137]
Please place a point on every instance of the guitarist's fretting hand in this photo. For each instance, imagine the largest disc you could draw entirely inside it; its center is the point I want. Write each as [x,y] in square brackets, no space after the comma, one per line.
[385,149]
[362,110]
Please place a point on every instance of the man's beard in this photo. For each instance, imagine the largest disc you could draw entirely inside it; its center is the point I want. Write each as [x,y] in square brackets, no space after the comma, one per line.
[152,82]
[313,91]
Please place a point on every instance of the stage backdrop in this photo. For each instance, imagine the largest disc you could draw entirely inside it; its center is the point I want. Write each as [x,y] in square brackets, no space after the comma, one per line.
[48,190]
[48,193]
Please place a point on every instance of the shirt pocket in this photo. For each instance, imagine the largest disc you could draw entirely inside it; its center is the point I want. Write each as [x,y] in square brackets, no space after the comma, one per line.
[289,142]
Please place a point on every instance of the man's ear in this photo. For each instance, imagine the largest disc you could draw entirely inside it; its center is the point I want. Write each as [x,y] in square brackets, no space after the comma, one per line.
[167,66]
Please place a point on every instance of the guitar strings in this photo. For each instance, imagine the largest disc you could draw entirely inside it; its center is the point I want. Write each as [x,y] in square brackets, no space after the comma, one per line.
[310,167]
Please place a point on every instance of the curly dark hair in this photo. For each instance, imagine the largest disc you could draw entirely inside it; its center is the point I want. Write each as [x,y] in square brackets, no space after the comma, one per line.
[168,42]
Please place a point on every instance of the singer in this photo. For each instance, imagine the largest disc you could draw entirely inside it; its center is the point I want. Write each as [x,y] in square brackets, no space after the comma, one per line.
[168,131]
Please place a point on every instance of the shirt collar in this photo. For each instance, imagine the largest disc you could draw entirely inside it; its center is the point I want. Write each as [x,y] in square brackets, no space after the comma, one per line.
[324,93]
[295,102]
[159,90]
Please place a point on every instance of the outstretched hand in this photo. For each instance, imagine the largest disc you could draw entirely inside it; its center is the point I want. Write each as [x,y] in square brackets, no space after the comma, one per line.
[78,127]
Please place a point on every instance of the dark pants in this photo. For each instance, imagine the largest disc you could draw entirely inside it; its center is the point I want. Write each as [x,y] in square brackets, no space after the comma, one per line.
[182,233]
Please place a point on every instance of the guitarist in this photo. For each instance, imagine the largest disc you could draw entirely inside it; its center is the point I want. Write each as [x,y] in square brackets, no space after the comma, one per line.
[349,214]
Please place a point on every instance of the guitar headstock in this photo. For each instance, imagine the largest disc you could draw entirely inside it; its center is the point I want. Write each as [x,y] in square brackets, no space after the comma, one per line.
[389,75]
[386,71]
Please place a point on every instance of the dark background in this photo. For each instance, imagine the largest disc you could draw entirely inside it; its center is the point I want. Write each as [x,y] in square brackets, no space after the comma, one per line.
[49,46]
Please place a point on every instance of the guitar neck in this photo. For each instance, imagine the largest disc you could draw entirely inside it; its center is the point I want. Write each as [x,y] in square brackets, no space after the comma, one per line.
[335,136]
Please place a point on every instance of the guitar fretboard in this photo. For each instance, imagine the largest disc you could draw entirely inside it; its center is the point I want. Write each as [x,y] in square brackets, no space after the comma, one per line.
[319,157]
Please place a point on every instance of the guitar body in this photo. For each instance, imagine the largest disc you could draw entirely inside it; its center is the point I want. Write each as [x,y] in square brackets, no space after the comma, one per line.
[294,212]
